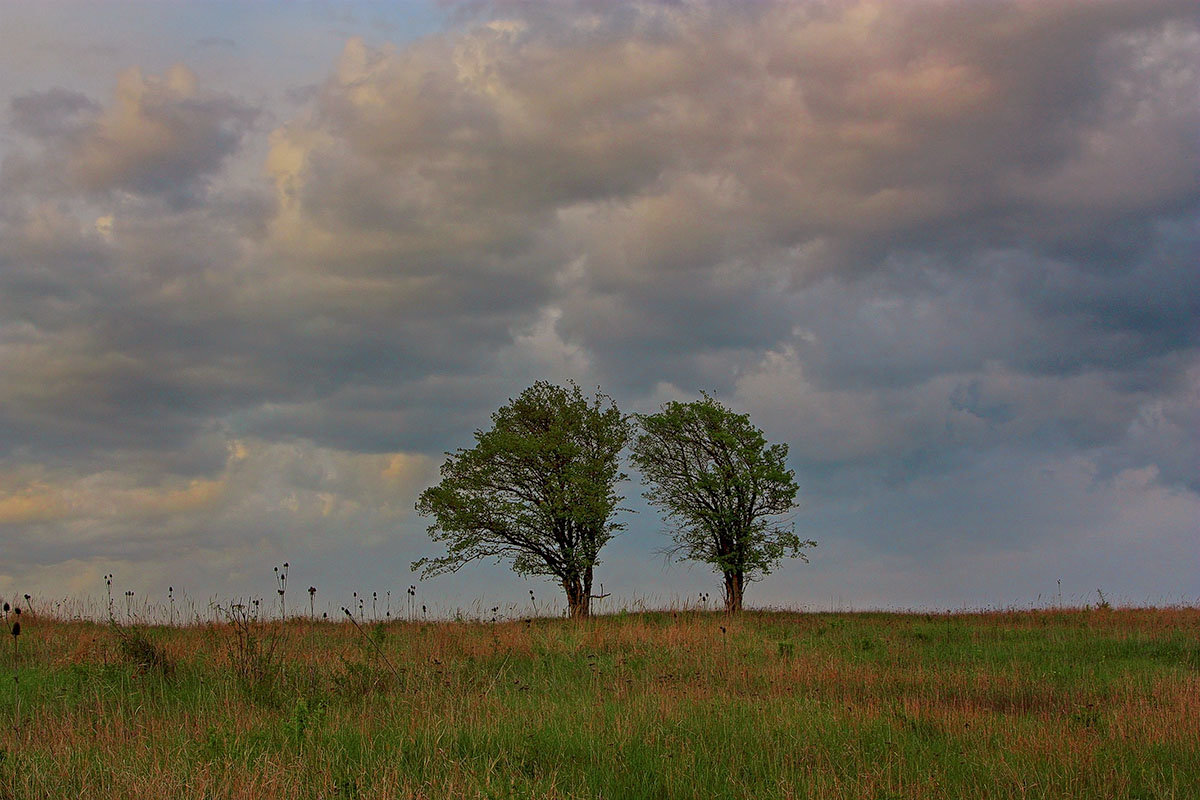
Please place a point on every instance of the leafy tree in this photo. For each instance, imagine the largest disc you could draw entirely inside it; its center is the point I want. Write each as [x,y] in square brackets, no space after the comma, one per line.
[722,488]
[537,489]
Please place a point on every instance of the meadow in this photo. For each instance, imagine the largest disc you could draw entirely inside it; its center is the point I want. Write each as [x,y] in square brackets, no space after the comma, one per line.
[1082,703]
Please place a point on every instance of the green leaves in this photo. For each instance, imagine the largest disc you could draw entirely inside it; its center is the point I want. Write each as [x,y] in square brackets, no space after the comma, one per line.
[538,488]
[721,486]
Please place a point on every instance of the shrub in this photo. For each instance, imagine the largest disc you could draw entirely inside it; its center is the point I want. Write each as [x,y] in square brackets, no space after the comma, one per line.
[255,653]
[141,651]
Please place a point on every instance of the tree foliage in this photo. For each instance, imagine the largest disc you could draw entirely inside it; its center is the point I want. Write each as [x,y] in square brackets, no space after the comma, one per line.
[538,489]
[722,488]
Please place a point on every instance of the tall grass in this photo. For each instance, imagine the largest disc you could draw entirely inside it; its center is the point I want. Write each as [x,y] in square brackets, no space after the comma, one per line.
[684,704]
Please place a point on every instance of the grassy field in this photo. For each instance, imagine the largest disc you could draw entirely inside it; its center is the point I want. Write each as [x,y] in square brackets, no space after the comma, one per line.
[1071,704]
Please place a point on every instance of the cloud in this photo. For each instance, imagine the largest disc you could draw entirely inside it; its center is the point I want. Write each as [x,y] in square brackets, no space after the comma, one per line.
[913,240]
[51,113]
[159,134]
[275,493]
[162,136]
[809,141]
[40,502]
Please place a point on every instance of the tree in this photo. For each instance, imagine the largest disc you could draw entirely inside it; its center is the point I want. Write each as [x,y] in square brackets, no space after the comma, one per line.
[722,488]
[537,489]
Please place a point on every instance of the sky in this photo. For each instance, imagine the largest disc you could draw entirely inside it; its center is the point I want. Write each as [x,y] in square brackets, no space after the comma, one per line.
[263,264]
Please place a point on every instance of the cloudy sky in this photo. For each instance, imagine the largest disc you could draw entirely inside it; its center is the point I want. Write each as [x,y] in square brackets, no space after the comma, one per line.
[262,264]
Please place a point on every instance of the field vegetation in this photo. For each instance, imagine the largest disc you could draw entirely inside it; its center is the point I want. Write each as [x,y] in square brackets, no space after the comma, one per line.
[1085,703]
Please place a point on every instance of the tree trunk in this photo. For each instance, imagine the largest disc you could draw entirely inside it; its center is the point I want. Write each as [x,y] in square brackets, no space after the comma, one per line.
[734,585]
[587,592]
[578,597]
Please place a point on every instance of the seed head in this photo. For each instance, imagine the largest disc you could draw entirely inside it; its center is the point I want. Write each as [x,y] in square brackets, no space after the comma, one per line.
[16,629]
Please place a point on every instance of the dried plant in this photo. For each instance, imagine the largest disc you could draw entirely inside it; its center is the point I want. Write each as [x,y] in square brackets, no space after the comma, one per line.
[135,644]
[16,635]
[255,651]
[281,576]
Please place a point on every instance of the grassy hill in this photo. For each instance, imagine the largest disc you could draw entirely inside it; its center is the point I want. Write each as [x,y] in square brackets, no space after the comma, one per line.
[1078,704]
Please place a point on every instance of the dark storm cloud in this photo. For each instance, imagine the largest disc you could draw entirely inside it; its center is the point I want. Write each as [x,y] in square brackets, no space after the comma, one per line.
[1034,314]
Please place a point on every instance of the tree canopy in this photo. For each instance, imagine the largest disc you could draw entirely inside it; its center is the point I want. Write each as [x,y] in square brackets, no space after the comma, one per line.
[537,489]
[722,488]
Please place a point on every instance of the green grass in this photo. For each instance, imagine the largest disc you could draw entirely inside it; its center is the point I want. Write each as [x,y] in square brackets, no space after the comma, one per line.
[1064,704]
